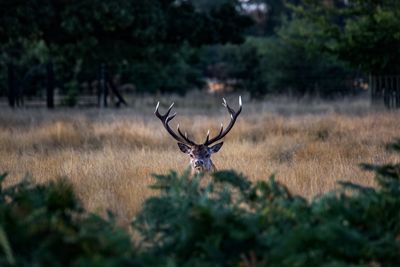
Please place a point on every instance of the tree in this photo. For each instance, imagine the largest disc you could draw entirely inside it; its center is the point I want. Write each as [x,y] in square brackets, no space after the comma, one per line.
[365,33]
[79,34]
[269,15]
[293,65]
[288,63]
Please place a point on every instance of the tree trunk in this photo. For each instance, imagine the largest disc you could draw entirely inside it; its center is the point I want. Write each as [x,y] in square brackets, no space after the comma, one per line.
[11,85]
[114,89]
[102,90]
[50,85]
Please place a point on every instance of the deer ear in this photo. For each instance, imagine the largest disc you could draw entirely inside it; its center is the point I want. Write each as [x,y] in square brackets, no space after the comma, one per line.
[184,148]
[216,148]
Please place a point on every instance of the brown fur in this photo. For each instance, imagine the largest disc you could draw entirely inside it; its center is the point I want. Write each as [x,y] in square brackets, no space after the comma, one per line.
[200,156]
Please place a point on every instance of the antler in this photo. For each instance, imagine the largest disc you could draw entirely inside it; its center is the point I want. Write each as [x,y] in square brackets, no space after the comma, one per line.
[223,132]
[165,119]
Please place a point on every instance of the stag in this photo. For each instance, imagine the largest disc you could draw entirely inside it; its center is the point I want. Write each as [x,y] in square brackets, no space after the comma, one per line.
[200,154]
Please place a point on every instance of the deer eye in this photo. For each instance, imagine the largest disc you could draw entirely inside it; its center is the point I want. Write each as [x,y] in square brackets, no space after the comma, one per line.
[191,155]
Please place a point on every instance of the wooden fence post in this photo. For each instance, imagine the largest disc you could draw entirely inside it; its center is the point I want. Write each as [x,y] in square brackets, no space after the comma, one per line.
[385,90]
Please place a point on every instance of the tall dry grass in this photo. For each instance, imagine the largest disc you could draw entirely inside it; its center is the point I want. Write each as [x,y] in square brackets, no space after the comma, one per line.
[109,155]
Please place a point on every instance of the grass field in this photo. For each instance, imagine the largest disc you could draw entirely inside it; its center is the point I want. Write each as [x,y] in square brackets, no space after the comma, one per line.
[109,155]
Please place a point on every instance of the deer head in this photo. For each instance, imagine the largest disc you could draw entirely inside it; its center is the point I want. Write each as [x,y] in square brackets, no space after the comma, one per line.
[200,154]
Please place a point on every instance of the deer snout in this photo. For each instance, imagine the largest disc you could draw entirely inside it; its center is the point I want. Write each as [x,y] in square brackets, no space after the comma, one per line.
[198,163]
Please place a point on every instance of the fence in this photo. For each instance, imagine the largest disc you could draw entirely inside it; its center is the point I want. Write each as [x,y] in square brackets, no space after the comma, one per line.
[106,89]
[385,90]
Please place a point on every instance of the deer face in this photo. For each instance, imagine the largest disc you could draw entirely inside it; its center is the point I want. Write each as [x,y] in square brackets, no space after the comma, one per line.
[200,156]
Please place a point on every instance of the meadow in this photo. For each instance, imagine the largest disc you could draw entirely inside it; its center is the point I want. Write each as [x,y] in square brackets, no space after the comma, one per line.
[110,154]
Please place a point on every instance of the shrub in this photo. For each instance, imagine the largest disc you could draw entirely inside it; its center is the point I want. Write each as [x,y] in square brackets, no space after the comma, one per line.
[230,221]
[45,225]
[224,220]
[292,64]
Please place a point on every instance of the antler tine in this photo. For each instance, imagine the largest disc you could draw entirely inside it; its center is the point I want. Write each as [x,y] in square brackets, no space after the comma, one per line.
[165,119]
[234,114]
[208,136]
[184,136]
[231,111]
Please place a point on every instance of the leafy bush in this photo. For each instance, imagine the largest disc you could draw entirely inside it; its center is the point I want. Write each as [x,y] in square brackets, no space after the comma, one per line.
[166,71]
[288,63]
[292,64]
[230,221]
[225,220]
[45,225]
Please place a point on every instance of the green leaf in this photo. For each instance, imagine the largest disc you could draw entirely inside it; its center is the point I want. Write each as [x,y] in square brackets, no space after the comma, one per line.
[5,244]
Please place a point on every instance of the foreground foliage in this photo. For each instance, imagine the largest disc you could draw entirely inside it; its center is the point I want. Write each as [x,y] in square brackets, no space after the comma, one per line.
[45,225]
[220,221]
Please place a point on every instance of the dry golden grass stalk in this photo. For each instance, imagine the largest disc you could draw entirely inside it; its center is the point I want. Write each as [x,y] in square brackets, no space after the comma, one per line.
[109,155]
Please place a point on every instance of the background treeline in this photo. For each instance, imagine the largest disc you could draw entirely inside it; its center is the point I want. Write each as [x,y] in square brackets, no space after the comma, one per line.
[324,48]
[226,221]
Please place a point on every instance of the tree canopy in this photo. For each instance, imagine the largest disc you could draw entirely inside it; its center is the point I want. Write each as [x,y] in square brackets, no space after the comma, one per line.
[81,33]
[301,46]
[365,33]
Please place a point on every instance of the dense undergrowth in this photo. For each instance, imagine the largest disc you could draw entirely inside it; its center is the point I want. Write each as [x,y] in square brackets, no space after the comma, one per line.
[223,221]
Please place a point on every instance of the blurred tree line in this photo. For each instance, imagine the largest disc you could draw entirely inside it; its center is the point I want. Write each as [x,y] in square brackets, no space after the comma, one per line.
[311,47]
[296,47]
[152,43]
